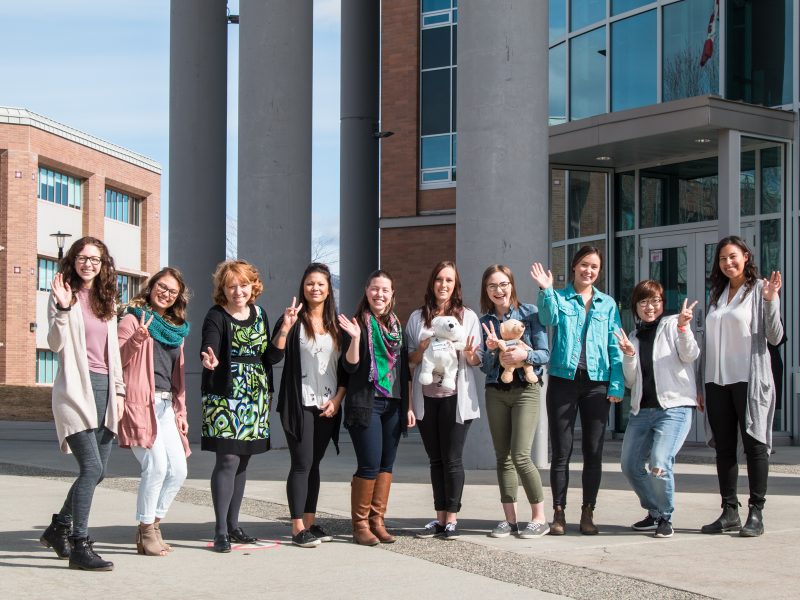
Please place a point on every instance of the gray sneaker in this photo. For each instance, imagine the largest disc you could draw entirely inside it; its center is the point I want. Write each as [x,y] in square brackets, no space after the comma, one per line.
[504,529]
[534,530]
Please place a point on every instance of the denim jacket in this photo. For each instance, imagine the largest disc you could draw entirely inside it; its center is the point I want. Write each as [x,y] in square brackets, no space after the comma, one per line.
[565,311]
[535,336]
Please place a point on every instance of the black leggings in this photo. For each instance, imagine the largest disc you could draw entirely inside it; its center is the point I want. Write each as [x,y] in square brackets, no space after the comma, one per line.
[565,398]
[302,485]
[227,490]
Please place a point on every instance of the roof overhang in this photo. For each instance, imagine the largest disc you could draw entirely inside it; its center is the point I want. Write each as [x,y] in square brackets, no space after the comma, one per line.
[662,132]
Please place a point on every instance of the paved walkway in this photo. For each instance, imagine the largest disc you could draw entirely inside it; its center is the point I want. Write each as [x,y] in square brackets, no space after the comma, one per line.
[619,563]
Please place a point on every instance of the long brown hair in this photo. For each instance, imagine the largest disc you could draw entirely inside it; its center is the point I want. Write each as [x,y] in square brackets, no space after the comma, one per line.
[241,270]
[486,303]
[175,314]
[329,320]
[455,306]
[585,251]
[719,280]
[103,293]
[363,304]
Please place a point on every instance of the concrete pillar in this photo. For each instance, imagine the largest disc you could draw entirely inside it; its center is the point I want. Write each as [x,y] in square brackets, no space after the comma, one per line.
[729,196]
[502,197]
[358,187]
[197,155]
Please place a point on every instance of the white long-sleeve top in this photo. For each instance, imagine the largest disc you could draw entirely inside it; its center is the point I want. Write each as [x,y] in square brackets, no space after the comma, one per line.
[728,338]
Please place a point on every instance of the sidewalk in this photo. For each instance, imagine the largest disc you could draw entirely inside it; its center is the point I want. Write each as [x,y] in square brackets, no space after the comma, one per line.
[619,563]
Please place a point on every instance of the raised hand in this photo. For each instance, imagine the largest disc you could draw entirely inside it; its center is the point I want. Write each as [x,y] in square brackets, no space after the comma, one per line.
[62,291]
[142,331]
[290,314]
[210,360]
[470,351]
[771,286]
[544,279]
[686,314]
[491,336]
[350,327]
[624,343]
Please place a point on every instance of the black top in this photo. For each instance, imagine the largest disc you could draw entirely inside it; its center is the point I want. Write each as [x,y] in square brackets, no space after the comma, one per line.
[164,360]
[646,334]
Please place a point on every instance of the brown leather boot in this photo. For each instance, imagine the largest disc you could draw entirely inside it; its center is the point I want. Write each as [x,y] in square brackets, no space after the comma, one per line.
[361,491]
[380,499]
[559,524]
[587,520]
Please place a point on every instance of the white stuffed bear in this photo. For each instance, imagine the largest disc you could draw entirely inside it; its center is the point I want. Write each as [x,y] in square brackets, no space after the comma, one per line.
[440,355]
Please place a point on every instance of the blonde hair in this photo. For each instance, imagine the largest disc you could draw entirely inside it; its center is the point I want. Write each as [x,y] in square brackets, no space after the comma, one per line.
[241,270]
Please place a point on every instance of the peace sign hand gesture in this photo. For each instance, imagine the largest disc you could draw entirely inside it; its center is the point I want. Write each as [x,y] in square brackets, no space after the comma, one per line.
[142,331]
[62,291]
[624,343]
[543,278]
[470,352]
[686,314]
[772,286]
[491,336]
[290,314]
[210,360]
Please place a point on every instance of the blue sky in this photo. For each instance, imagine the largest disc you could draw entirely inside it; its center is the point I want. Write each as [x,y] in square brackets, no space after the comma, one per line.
[85,63]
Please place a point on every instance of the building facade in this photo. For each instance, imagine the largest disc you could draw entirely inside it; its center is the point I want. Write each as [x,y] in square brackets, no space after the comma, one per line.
[672,124]
[55,179]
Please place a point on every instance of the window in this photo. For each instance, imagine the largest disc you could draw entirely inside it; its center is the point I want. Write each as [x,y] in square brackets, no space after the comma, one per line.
[59,188]
[583,13]
[127,287]
[587,79]
[678,193]
[122,207]
[46,366]
[633,62]
[558,84]
[47,270]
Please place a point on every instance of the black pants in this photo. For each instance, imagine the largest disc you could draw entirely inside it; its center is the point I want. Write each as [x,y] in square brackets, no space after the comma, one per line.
[726,406]
[565,398]
[302,485]
[444,439]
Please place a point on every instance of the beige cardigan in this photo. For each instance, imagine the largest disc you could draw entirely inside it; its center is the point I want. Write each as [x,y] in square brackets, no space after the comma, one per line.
[73,400]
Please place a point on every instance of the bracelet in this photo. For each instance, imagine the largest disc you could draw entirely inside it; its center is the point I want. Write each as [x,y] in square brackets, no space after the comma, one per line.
[682,329]
[62,309]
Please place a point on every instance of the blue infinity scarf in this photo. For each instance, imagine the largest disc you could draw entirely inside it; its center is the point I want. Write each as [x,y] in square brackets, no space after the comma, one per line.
[161,330]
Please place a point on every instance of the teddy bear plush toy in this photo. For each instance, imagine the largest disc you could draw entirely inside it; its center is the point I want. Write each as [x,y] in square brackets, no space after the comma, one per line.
[510,337]
[440,355]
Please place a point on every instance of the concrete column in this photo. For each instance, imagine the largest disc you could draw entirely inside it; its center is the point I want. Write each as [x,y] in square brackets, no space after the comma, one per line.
[502,194]
[729,194]
[358,187]
[197,155]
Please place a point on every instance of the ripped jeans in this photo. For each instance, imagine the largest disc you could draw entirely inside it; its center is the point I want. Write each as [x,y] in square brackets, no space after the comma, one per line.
[653,437]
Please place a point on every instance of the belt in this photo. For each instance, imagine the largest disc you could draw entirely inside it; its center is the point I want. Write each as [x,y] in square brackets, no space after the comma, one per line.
[253,360]
[165,396]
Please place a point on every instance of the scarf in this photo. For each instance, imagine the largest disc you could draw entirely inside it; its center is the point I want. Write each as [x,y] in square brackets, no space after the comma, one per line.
[160,329]
[384,346]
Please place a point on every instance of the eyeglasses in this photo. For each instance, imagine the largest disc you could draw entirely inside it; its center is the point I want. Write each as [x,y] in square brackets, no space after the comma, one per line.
[654,302]
[493,287]
[93,260]
[162,289]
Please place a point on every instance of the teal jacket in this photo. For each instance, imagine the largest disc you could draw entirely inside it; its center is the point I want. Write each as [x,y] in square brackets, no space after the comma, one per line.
[565,312]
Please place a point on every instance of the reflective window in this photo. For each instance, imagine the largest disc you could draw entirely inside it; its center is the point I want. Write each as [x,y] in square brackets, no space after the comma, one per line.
[620,6]
[583,13]
[690,60]
[679,193]
[435,101]
[633,61]
[588,74]
[558,266]
[435,151]
[59,188]
[587,204]
[46,272]
[46,366]
[625,199]
[770,247]
[558,205]
[558,84]
[122,207]
[435,47]
[759,51]
[625,277]
[558,19]
[671,271]
[431,5]
[771,180]
[748,183]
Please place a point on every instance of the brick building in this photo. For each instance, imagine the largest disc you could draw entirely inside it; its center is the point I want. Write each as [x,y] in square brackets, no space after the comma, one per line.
[57,179]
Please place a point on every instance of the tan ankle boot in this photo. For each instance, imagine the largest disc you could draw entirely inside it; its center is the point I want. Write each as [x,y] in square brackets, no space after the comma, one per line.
[147,542]
[587,520]
[380,500]
[559,524]
[361,491]
[164,545]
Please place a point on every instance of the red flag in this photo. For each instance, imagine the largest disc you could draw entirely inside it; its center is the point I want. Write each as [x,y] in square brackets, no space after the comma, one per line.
[708,46]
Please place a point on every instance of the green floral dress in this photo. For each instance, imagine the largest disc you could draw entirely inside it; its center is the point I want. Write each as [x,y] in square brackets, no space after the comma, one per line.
[240,424]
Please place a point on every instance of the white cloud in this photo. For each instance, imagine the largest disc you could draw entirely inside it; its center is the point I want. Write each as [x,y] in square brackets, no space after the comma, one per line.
[328,13]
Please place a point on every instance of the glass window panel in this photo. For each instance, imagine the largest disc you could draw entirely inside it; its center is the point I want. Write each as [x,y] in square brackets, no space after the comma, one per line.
[770,247]
[558,19]
[625,278]
[710,250]
[633,61]
[51,191]
[587,203]
[625,201]
[588,74]
[690,63]
[454,88]
[435,176]
[436,47]
[454,56]
[600,284]
[435,19]
[747,187]
[436,102]
[436,151]
[558,84]
[651,200]
[455,147]
[620,6]
[679,193]
[431,5]
[585,12]
[558,266]
[42,183]
[771,179]
[671,271]
[759,51]
[558,204]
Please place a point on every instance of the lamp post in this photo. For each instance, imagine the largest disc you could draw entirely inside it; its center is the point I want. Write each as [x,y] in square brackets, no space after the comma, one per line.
[60,239]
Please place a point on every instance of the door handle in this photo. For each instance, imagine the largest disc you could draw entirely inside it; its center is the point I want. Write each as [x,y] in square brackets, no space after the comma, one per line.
[698,319]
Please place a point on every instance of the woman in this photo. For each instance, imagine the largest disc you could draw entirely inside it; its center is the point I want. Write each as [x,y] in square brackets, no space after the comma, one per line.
[513,408]
[88,392]
[311,393]
[151,336]
[659,366]
[743,317]
[585,375]
[444,414]
[376,409]
[237,361]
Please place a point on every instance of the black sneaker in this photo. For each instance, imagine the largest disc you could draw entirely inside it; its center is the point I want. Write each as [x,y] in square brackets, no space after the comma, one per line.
[432,529]
[451,531]
[649,523]
[305,539]
[319,533]
[664,528]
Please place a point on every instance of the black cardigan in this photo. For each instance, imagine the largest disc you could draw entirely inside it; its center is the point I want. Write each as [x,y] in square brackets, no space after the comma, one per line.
[217,334]
[360,391]
[290,396]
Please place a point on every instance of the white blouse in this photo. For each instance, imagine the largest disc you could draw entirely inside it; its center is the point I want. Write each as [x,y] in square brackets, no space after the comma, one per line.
[728,338]
[318,360]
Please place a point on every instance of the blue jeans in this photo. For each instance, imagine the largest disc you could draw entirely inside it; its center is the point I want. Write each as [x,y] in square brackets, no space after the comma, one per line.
[376,444]
[654,436]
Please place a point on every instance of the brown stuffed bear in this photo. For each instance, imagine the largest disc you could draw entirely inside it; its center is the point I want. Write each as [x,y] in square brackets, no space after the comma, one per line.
[511,336]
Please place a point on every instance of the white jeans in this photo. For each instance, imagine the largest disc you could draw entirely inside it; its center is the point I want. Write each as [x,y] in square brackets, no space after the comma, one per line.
[163,465]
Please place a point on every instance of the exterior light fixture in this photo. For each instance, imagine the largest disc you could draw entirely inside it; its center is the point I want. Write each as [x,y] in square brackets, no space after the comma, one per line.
[382,134]
[603,158]
[703,141]
[60,239]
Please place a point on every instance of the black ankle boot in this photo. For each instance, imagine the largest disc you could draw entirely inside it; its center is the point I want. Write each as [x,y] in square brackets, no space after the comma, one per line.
[56,536]
[754,526]
[84,558]
[728,521]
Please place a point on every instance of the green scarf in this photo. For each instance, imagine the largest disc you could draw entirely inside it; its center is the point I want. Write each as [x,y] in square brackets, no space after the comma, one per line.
[384,346]
[160,329]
